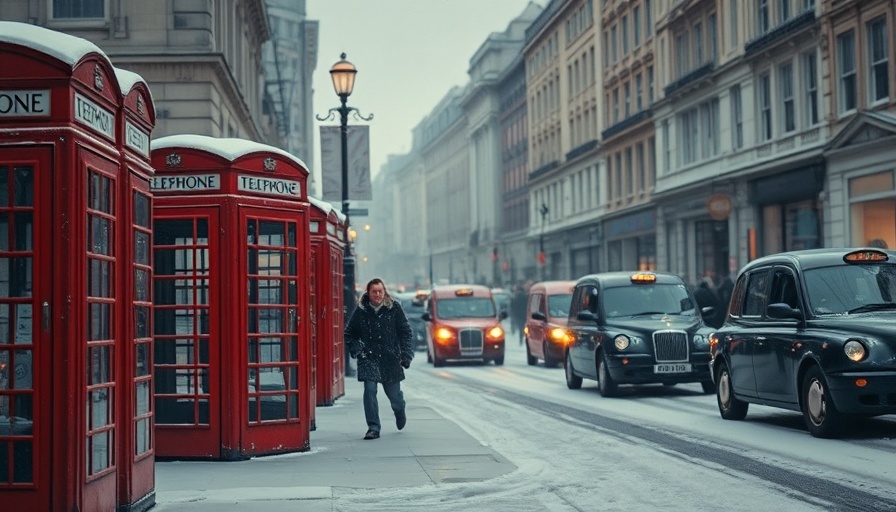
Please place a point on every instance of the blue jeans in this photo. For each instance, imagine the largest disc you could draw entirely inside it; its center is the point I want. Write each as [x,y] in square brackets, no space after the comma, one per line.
[371,406]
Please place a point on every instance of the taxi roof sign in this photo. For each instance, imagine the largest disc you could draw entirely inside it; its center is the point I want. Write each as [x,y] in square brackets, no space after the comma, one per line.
[865,255]
[643,278]
[463,292]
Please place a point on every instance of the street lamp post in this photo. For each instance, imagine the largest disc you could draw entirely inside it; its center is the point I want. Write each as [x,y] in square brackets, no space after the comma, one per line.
[343,75]
[542,259]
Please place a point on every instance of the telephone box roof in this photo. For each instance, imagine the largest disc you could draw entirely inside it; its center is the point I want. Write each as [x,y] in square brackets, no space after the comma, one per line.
[229,149]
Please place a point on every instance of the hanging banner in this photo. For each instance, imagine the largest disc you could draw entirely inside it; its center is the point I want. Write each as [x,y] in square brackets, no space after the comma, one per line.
[358,142]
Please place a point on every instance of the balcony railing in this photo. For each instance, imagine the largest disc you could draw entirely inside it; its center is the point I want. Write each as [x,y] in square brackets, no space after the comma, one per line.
[690,78]
[780,32]
[626,123]
[581,149]
[544,169]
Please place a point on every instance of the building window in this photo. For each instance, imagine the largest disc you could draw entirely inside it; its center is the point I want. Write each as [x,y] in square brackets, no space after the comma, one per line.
[642,167]
[667,149]
[681,45]
[78,9]
[737,119]
[625,40]
[615,105]
[650,85]
[636,25]
[648,18]
[765,107]
[846,54]
[783,11]
[711,27]
[628,99]
[785,78]
[873,217]
[879,81]
[698,44]
[762,17]
[732,24]
[629,173]
[639,93]
[614,43]
[810,70]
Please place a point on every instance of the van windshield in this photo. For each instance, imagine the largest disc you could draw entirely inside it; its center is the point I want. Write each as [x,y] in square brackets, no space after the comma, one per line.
[466,307]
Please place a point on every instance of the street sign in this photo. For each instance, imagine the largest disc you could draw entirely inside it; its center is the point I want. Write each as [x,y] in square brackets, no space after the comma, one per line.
[358,212]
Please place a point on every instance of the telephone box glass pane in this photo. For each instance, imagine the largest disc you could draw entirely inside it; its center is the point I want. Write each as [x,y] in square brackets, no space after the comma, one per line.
[142,362]
[141,285]
[142,211]
[141,247]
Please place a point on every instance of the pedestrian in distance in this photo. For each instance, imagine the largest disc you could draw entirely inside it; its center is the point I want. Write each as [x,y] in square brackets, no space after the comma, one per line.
[380,338]
[518,304]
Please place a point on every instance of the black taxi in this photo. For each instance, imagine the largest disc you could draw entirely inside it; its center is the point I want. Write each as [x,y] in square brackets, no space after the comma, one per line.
[812,331]
[636,328]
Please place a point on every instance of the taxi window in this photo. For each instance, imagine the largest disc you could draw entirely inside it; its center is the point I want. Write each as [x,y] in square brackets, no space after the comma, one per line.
[653,299]
[466,307]
[558,305]
[843,288]
[535,303]
[757,285]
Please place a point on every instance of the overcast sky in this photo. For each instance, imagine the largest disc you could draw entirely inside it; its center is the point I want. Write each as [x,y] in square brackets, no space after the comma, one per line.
[408,53]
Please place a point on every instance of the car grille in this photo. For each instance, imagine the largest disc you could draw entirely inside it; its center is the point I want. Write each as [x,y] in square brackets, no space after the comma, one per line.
[470,342]
[670,346]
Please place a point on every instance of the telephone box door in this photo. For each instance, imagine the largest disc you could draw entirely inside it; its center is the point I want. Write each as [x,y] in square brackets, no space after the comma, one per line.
[187,345]
[25,349]
[278,356]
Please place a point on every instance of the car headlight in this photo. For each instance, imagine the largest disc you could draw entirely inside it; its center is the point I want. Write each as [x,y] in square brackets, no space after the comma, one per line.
[855,350]
[622,342]
[495,333]
[700,340]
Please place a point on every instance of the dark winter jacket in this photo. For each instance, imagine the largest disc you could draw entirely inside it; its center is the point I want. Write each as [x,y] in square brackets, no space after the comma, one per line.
[379,340]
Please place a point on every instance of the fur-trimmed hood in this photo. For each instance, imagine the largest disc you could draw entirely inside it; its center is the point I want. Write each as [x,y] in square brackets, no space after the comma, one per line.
[365,302]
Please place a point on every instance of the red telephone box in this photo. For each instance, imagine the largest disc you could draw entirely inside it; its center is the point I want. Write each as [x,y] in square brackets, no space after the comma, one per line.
[66,367]
[328,320]
[137,455]
[232,357]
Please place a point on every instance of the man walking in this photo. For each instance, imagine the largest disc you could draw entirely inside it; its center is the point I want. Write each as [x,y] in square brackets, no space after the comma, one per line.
[380,338]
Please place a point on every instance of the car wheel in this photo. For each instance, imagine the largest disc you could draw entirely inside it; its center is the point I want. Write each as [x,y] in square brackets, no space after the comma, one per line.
[530,359]
[437,361]
[573,381]
[428,356]
[549,362]
[499,361]
[708,387]
[605,382]
[729,406]
[821,415]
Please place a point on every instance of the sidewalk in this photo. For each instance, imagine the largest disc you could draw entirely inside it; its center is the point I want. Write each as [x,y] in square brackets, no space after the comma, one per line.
[430,450]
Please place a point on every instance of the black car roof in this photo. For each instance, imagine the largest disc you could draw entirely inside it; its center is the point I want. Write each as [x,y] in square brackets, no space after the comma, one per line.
[623,278]
[814,258]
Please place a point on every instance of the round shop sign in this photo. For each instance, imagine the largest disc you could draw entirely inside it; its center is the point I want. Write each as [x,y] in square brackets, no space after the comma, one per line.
[719,206]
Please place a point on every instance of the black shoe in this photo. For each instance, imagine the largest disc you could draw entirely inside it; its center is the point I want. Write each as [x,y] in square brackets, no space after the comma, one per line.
[372,434]
[400,419]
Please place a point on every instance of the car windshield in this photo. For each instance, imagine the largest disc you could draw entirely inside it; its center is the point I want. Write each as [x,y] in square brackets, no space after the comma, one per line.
[466,307]
[851,288]
[672,299]
[558,305]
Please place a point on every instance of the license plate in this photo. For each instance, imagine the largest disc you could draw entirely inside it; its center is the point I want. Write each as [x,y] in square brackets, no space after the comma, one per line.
[672,368]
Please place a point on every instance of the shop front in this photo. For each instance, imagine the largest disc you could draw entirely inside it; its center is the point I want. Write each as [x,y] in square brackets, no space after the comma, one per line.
[232,354]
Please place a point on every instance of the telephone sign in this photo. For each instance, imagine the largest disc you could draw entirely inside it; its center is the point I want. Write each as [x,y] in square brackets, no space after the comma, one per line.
[24,103]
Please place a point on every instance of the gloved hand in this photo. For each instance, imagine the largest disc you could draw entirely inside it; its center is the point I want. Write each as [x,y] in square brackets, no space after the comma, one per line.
[405,363]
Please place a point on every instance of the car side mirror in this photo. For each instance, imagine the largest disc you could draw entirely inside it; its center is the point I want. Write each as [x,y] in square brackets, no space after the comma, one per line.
[782,311]
[586,316]
[417,302]
[502,315]
[426,317]
[707,311]
[538,315]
